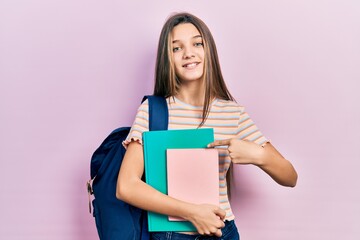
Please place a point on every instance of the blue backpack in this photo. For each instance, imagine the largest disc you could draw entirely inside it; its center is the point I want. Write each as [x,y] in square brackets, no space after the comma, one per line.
[115,219]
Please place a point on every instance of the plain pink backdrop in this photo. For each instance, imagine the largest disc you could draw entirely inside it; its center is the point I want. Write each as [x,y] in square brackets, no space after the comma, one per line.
[71,71]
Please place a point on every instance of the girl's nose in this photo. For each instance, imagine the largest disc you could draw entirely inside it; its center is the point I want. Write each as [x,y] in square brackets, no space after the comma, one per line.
[188,53]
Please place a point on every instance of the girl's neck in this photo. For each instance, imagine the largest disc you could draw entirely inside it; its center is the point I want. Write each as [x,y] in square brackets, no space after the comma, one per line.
[192,93]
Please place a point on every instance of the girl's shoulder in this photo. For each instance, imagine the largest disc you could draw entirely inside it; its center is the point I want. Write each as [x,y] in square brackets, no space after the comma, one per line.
[228,104]
[144,106]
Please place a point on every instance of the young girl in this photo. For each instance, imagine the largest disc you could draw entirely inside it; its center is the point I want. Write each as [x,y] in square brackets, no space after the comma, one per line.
[188,74]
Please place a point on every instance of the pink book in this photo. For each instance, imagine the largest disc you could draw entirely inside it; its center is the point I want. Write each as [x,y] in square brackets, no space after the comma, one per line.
[193,176]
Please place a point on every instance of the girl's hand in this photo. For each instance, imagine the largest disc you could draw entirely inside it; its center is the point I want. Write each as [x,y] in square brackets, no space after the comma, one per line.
[208,219]
[241,151]
[267,158]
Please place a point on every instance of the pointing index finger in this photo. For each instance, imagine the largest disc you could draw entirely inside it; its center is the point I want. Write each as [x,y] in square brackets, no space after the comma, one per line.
[225,142]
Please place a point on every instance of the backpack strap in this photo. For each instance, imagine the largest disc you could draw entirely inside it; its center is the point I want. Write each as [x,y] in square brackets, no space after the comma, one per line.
[158,120]
[158,112]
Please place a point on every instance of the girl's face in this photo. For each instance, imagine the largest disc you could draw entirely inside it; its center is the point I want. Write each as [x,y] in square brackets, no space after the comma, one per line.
[188,52]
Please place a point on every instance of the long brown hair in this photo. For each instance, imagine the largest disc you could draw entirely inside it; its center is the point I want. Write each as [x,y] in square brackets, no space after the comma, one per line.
[166,82]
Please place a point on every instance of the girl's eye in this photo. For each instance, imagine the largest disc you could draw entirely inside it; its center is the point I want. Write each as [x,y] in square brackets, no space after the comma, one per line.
[199,44]
[175,49]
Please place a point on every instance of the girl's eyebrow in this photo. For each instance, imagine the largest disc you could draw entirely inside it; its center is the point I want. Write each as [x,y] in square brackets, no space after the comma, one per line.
[196,36]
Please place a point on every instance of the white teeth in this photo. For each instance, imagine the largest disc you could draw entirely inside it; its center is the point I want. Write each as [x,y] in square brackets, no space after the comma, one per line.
[190,65]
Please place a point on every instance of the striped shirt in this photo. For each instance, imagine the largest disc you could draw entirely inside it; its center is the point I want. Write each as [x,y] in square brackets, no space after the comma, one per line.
[227,118]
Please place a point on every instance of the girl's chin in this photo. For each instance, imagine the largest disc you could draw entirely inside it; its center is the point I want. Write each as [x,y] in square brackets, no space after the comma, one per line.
[190,78]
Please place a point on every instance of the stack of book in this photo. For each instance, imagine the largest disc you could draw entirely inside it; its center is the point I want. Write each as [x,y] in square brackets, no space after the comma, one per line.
[177,163]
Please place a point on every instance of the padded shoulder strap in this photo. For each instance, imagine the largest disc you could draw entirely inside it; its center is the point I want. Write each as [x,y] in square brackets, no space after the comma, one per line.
[158,112]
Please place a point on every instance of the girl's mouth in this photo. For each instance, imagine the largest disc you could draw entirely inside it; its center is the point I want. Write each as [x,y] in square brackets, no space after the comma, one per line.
[191,65]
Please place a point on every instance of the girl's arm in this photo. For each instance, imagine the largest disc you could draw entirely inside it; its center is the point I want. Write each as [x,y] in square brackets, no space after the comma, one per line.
[131,189]
[267,158]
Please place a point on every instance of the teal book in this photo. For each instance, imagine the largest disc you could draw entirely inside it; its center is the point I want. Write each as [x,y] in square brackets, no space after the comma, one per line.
[155,145]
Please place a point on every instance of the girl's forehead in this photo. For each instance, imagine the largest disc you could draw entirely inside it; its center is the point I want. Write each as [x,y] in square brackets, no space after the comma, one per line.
[184,31]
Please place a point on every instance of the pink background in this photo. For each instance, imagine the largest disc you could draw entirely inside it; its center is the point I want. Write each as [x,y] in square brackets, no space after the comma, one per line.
[71,71]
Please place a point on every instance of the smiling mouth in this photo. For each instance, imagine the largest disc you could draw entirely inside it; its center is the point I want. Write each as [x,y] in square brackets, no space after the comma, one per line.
[191,65]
